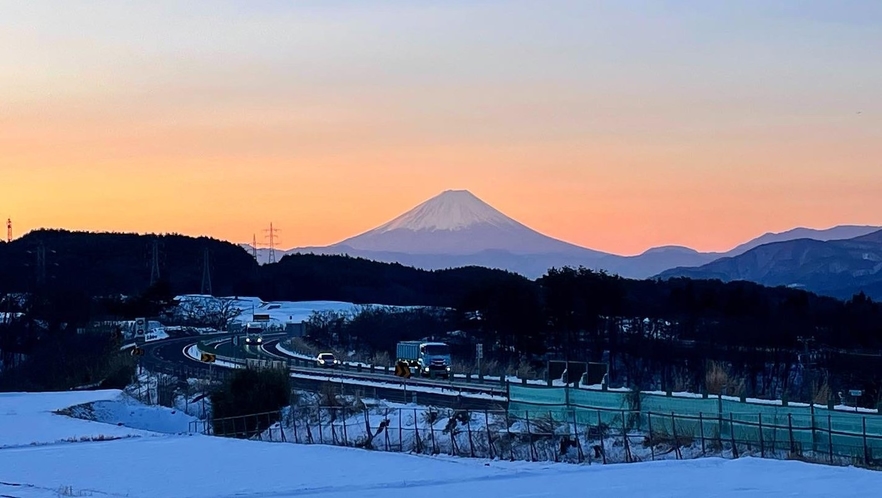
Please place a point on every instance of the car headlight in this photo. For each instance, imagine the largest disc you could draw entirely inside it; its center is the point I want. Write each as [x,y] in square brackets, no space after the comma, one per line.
[448,369]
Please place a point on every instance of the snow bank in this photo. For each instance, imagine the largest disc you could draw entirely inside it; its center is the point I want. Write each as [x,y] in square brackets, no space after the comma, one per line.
[125,411]
[30,419]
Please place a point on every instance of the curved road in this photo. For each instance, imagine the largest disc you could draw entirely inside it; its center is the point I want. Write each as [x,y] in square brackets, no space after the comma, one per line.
[169,356]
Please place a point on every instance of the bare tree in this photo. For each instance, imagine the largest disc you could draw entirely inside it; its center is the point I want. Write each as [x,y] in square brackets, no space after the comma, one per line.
[216,313]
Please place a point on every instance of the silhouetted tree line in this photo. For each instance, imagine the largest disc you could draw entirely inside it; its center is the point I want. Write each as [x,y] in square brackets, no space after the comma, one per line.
[108,264]
[373,329]
[662,334]
[652,333]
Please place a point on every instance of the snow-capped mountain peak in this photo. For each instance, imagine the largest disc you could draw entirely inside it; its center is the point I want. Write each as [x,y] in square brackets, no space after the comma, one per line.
[450,210]
[456,222]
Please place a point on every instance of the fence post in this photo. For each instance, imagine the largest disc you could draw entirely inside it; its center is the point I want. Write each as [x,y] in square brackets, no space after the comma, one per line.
[600,432]
[320,428]
[830,435]
[866,448]
[294,423]
[701,429]
[510,442]
[651,439]
[345,430]
[551,421]
[676,439]
[731,434]
[790,431]
[416,428]
[469,428]
[530,435]
[762,443]
[576,435]
[282,428]
[432,433]
[814,441]
[625,442]
[489,436]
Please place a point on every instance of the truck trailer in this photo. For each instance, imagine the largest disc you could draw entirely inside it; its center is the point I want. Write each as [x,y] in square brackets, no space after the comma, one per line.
[427,359]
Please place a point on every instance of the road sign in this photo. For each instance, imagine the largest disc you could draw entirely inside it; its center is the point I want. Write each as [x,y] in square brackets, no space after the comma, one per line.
[261,317]
[857,393]
[207,358]
[402,370]
[136,351]
[479,352]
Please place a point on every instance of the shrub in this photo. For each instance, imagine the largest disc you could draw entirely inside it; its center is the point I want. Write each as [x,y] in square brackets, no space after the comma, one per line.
[249,392]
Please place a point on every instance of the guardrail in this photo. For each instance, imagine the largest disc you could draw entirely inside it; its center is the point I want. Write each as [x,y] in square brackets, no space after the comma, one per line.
[359,373]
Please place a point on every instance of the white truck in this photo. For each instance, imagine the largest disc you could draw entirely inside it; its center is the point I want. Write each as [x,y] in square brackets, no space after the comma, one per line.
[427,359]
[254,333]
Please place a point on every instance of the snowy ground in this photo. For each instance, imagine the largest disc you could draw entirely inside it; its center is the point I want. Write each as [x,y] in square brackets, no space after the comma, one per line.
[31,420]
[165,463]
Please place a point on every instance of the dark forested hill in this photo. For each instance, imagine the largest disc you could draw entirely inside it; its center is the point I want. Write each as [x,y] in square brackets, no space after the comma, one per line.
[113,263]
[101,264]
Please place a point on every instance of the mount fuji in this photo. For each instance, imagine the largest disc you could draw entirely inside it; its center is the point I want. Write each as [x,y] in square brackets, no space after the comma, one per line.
[456,228]
[458,223]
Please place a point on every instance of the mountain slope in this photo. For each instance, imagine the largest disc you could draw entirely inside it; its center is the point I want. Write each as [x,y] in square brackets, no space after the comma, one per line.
[456,222]
[839,268]
[840,232]
[456,228]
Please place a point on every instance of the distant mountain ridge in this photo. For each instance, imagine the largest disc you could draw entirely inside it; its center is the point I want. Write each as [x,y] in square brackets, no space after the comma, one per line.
[456,228]
[841,232]
[837,268]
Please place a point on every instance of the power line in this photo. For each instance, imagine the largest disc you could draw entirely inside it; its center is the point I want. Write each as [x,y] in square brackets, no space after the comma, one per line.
[154,262]
[271,234]
[206,273]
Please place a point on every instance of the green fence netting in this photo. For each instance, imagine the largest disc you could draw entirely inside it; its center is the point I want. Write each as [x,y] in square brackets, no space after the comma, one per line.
[769,426]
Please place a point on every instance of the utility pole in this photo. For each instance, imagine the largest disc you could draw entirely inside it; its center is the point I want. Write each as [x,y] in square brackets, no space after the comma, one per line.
[154,262]
[808,361]
[41,264]
[8,230]
[271,234]
[206,273]
[254,247]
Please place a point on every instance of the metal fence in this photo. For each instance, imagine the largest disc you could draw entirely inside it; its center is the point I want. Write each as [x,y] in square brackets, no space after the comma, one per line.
[576,436]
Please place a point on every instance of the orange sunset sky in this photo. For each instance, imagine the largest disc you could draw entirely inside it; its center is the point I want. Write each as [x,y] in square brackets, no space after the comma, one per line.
[614,125]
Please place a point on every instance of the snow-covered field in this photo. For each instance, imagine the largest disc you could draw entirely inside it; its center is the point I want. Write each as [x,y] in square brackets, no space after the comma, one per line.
[157,460]
[31,419]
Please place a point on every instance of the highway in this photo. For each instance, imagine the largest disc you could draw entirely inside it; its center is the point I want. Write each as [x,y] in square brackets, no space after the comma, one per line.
[169,356]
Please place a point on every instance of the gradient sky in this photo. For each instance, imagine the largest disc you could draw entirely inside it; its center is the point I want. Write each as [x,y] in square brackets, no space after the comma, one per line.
[615,125]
